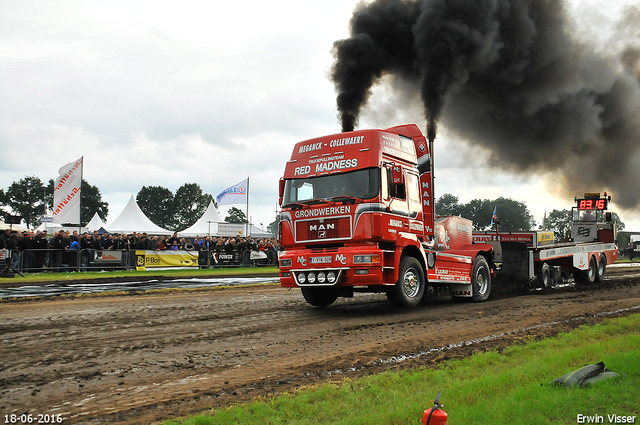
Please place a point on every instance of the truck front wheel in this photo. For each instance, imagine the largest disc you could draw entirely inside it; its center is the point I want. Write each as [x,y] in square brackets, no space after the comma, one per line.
[320,297]
[481,279]
[409,289]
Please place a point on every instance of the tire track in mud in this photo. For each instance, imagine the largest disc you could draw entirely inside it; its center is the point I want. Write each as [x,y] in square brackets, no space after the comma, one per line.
[139,358]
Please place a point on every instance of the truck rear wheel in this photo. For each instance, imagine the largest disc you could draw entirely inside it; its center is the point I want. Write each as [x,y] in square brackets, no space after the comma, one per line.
[320,297]
[602,268]
[544,276]
[587,276]
[480,279]
[409,289]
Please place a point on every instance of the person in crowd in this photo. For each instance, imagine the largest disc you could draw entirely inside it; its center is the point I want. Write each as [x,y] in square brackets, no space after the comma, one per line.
[173,239]
[58,247]
[142,243]
[106,241]
[134,240]
[40,244]
[153,243]
[187,244]
[12,245]
[175,246]
[86,253]
[204,251]
[25,245]
[96,241]
[161,246]
[196,242]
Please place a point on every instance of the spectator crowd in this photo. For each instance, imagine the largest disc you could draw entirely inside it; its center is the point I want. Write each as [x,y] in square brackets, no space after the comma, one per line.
[37,251]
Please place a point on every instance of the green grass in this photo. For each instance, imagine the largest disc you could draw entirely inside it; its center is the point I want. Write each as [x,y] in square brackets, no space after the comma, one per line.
[489,388]
[55,277]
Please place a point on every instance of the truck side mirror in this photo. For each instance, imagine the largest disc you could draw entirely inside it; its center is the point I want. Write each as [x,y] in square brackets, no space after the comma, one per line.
[280,190]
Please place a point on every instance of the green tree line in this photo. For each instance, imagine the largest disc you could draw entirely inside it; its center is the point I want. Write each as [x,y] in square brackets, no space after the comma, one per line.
[31,199]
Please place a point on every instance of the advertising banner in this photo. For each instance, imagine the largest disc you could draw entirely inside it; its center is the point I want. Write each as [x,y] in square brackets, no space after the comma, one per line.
[228,229]
[151,259]
[108,257]
[66,193]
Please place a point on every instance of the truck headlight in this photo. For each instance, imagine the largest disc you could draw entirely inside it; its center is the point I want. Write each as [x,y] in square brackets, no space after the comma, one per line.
[285,263]
[302,278]
[361,259]
[331,277]
[321,277]
[311,277]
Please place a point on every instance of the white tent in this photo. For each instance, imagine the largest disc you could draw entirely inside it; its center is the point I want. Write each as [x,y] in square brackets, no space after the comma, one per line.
[206,225]
[255,233]
[132,219]
[95,224]
[17,227]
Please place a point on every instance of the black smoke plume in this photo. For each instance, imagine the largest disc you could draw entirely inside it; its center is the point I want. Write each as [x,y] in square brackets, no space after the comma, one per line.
[508,75]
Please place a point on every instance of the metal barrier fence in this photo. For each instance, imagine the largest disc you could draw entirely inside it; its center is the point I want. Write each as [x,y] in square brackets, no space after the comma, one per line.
[69,260]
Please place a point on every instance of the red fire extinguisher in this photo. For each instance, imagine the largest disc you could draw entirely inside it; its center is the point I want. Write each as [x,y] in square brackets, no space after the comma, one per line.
[435,415]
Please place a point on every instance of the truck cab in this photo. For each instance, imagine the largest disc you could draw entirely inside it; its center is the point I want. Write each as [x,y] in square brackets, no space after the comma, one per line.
[357,215]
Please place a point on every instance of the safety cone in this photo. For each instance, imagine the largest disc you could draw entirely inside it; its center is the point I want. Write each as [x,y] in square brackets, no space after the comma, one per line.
[435,415]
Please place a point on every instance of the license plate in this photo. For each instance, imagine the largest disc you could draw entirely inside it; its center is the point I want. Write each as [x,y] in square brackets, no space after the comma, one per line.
[320,260]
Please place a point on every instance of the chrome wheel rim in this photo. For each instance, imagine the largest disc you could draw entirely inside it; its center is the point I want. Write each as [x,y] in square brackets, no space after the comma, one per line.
[410,283]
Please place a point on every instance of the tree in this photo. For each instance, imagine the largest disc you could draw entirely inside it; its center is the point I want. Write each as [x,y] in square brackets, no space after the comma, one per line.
[273,226]
[90,201]
[190,202]
[480,212]
[26,198]
[560,222]
[236,216]
[157,203]
[513,215]
[448,204]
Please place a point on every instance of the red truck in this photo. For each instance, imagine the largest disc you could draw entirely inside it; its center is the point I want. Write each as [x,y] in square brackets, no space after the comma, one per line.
[358,216]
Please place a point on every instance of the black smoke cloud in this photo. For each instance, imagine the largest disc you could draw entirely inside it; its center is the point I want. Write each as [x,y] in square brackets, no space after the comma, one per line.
[507,75]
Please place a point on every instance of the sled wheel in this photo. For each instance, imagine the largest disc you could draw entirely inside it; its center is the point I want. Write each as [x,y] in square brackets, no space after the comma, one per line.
[602,268]
[544,276]
[587,276]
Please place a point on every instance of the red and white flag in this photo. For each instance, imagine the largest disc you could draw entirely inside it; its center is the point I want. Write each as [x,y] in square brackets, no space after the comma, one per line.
[66,193]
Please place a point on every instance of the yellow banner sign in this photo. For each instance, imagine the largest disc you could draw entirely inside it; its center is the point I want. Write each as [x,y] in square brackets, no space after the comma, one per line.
[149,258]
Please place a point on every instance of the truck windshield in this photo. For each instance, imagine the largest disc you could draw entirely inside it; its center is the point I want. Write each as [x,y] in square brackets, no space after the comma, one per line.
[362,184]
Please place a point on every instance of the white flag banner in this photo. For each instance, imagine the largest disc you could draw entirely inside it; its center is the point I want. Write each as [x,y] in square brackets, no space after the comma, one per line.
[236,194]
[66,193]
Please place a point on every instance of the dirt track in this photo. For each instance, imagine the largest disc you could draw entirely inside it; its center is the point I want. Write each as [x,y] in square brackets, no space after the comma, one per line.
[143,358]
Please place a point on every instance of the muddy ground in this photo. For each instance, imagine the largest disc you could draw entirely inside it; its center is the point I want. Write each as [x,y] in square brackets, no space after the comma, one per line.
[146,357]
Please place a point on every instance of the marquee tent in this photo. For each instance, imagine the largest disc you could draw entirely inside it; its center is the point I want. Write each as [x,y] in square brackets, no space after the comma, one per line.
[257,233]
[95,224]
[206,225]
[132,219]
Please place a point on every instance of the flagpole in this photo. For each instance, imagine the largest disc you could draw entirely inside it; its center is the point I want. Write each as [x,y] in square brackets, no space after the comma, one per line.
[248,222]
[81,178]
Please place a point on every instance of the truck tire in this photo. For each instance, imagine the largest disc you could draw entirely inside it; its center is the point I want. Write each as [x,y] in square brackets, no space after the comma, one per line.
[480,279]
[409,289]
[602,268]
[320,297]
[587,276]
[544,276]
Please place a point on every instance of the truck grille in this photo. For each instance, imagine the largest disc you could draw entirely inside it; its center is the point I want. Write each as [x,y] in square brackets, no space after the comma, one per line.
[323,229]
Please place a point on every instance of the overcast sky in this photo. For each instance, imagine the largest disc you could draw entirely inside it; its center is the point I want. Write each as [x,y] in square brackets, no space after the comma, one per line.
[166,93]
